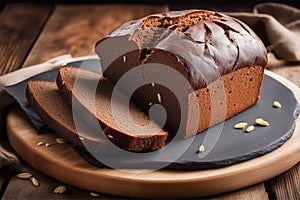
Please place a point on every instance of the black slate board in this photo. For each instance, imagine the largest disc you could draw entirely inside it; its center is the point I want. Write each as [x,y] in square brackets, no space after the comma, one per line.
[225,145]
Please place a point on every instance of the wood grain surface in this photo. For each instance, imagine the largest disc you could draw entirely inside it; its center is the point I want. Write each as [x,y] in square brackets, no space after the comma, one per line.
[45,191]
[74,29]
[61,162]
[20,26]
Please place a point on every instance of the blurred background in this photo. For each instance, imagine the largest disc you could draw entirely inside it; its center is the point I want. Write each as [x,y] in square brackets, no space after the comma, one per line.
[217,5]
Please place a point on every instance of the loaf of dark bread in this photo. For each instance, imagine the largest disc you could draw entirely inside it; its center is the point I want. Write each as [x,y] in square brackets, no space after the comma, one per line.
[93,93]
[221,58]
[45,98]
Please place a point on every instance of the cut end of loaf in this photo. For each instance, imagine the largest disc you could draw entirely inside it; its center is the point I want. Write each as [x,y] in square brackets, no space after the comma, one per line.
[93,94]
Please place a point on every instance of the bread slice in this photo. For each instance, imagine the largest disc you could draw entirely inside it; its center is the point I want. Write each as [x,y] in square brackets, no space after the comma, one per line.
[131,130]
[45,98]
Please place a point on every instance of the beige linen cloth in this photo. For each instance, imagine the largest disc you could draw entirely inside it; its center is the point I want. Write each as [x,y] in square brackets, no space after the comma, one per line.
[277,25]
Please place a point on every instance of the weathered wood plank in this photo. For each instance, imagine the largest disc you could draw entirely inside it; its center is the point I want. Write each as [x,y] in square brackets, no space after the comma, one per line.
[6,171]
[24,189]
[255,192]
[286,185]
[5,175]
[20,24]
[74,29]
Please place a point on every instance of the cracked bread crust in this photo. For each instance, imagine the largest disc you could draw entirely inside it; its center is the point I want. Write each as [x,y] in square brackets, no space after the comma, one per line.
[219,42]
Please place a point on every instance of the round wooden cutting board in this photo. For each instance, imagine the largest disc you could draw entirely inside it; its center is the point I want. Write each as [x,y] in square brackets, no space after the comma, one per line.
[60,161]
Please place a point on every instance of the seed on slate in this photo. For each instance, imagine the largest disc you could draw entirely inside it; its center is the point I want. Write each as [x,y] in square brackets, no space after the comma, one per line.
[276,104]
[249,129]
[262,122]
[241,125]
[201,148]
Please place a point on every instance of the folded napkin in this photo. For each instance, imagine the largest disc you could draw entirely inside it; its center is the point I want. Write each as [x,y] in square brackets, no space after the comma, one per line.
[278,26]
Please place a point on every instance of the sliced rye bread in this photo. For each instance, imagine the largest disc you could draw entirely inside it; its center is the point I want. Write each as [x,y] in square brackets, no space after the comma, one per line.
[45,98]
[92,92]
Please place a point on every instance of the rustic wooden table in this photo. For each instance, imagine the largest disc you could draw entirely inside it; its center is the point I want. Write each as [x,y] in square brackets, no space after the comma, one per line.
[33,33]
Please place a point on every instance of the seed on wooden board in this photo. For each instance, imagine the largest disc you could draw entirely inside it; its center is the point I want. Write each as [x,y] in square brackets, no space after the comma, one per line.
[60,141]
[81,138]
[47,144]
[276,104]
[93,194]
[34,181]
[241,125]
[110,136]
[249,129]
[40,143]
[60,189]
[24,175]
